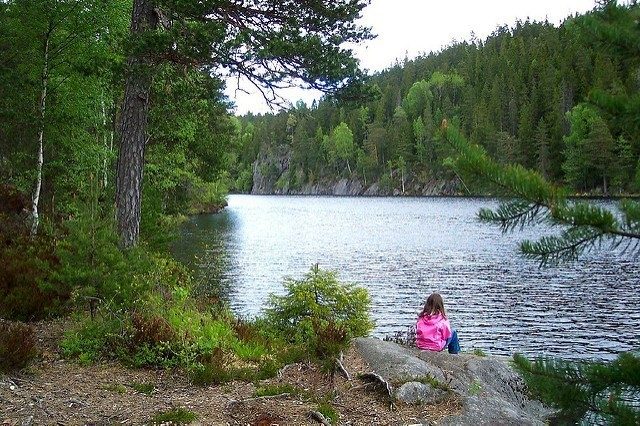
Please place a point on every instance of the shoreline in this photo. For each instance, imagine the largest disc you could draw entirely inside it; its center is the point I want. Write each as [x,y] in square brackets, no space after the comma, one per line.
[473,196]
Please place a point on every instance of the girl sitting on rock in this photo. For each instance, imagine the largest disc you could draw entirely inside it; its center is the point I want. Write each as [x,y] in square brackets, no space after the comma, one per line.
[433,331]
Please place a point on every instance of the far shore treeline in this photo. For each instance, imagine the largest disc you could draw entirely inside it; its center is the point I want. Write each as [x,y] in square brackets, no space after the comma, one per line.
[551,98]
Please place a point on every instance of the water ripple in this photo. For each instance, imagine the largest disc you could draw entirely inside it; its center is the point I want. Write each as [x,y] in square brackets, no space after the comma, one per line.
[402,249]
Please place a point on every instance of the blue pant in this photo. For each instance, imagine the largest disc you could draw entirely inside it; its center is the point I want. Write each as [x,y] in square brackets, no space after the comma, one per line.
[453,344]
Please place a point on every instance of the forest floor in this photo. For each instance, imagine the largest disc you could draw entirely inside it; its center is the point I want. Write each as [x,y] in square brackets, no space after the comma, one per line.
[56,391]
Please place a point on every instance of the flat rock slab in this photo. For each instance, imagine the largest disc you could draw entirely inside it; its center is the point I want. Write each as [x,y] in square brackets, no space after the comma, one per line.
[490,391]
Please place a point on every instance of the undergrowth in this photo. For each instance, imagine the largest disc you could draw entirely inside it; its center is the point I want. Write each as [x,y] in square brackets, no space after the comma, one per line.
[167,328]
[17,345]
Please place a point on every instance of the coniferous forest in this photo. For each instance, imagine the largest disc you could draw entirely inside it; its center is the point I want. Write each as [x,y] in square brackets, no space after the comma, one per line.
[114,129]
[551,98]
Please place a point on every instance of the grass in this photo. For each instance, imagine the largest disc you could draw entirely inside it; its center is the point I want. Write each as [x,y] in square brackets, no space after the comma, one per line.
[328,412]
[115,387]
[179,416]
[144,388]
[479,352]
[475,388]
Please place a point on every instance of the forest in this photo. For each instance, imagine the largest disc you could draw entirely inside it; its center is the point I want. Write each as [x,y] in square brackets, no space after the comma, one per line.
[551,98]
[114,129]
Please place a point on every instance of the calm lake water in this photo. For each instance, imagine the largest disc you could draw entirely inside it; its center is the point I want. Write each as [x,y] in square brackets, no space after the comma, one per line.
[402,249]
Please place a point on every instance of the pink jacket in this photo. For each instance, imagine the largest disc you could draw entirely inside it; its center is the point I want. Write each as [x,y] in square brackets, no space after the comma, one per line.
[432,332]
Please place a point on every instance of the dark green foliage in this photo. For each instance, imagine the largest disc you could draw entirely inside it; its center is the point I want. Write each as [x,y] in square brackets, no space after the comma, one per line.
[595,392]
[25,293]
[17,345]
[320,312]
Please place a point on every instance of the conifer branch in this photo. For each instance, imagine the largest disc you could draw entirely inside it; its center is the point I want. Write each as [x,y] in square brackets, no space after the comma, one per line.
[537,200]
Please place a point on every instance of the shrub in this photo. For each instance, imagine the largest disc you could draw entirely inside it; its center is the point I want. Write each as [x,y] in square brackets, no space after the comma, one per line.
[26,263]
[143,388]
[320,312]
[211,369]
[93,340]
[328,412]
[151,329]
[17,345]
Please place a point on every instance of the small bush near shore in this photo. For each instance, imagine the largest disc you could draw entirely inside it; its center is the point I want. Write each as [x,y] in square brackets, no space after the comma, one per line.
[17,345]
[320,312]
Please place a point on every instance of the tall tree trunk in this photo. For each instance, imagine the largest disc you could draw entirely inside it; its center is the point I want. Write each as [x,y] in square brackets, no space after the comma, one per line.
[40,159]
[104,142]
[133,131]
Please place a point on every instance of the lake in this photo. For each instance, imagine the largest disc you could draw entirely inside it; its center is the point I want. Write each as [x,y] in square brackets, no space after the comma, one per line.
[402,249]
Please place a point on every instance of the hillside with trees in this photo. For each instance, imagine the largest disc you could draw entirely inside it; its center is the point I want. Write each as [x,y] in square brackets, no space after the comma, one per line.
[545,97]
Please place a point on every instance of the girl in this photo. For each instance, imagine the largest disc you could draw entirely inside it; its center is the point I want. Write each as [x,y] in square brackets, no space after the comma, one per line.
[433,331]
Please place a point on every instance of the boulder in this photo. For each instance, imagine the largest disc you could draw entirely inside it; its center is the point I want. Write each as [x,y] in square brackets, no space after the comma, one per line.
[419,393]
[489,390]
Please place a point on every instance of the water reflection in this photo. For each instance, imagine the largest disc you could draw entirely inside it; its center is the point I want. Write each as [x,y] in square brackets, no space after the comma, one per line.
[402,249]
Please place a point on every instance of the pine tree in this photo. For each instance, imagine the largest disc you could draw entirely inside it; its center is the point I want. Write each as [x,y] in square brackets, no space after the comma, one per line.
[591,392]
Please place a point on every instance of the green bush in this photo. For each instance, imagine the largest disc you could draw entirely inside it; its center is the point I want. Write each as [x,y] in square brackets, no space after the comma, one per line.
[17,345]
[27,262]
[320,312]
[91,341]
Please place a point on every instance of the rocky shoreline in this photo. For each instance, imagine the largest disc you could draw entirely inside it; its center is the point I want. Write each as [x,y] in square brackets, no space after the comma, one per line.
[354,187]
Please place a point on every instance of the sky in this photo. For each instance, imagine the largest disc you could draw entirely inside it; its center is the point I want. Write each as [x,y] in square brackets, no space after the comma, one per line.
[413,27]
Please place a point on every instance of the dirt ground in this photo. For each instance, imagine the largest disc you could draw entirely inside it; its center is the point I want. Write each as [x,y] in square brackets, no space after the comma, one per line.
[55,391]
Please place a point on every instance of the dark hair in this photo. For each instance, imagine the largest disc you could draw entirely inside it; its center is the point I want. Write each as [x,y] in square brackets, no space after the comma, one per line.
[434,305]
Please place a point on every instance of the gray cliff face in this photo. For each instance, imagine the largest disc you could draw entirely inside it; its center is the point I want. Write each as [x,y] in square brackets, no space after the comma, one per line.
[491,393]
[269,170]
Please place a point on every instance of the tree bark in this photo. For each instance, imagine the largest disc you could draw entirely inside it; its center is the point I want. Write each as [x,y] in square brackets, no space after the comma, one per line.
[133,130]
[40,158]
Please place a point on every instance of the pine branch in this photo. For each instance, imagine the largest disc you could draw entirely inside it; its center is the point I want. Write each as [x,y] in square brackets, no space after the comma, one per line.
[512,214]
[536,200]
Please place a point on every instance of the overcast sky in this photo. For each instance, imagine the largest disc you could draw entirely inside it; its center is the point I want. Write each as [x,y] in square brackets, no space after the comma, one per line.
[412,27]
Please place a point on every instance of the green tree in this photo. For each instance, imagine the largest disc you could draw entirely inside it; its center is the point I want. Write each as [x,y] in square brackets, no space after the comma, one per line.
[343,142]
[600,390]
[589,149]
[269,42]
[54,77]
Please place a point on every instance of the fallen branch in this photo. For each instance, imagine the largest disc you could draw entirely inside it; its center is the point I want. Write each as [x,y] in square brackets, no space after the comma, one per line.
[380,381]
[341,368]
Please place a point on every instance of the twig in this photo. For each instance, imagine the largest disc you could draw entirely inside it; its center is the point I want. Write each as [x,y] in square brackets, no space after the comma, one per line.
[341,368]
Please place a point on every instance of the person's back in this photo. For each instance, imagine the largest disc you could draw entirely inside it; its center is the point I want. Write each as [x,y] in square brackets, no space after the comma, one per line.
[433,331]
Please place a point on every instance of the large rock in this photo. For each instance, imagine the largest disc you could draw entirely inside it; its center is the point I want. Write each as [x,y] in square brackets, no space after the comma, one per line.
[419,393]
[490,391]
